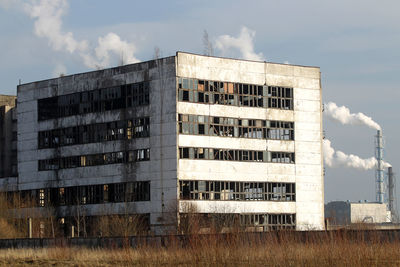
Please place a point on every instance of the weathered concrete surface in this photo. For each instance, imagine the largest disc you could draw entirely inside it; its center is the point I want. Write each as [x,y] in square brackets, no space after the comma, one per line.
[346,213]
[160,170]
[164,168]
[8,134]
[369,213]
[307,173]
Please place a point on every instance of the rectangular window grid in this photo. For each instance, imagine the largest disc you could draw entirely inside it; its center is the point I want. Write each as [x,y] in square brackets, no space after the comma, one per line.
[236,155]
[234,94]
[236,191]
[95,159]
[234,127]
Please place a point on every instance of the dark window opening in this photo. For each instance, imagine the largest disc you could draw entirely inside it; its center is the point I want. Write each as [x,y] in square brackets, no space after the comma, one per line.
[236,155]
[94,159]
[99,100]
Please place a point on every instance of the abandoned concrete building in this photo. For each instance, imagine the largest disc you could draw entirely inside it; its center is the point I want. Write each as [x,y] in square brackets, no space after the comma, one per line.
[159,140]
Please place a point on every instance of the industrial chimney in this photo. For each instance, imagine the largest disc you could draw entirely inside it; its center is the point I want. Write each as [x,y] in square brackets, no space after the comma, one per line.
[391,185]
[380,186]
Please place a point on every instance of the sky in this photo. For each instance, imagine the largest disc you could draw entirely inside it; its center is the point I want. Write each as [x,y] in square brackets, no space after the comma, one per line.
[355,43]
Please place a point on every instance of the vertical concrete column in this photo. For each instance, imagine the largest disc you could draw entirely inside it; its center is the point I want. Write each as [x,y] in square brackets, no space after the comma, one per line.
[30,227]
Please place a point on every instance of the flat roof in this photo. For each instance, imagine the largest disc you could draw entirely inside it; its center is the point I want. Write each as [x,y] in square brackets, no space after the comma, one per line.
[249,60]
[177,53]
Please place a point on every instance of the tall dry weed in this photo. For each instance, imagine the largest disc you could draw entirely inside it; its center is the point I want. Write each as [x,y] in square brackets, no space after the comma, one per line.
[339,248]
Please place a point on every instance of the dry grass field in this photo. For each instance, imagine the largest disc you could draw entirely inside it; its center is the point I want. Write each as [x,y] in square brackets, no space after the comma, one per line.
[209,251]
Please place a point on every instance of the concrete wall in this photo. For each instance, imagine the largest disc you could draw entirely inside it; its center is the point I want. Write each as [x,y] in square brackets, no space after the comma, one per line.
[163,166]
[8,184]
[346,213]
[307,115]
[369,213]
[8,128]
[160,170]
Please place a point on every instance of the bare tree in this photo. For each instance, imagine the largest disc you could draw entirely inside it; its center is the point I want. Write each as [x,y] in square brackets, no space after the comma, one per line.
[121,59]
[123,225]
[157,53]
[190,220]
[10,225]
[208,47]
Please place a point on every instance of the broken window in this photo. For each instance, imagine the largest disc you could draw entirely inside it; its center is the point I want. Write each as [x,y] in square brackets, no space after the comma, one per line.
[47,108]
[118,192]
[48,164]
[234,127]
[94,159]
[184,187]
[282,157]
[98,100]
[83,195]
[280,130]
[225,190]
[280,97]
[235,94]
[94,194]
[235,155]
[268,222]
[88,194]
[139,155]
[94,133]
[247,221]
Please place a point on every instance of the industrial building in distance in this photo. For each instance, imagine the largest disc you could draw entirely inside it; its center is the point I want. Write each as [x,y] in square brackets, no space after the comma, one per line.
[344,213]
[160,141]
[381,214]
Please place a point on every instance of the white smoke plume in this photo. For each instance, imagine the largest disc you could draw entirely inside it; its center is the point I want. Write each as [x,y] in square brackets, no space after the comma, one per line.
[342,114]
[243,43]
[7,3]
[338,158]
[110,43]
[47,16]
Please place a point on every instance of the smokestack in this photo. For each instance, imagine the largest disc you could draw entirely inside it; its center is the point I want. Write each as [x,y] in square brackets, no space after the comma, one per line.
[391,185]
[379,168]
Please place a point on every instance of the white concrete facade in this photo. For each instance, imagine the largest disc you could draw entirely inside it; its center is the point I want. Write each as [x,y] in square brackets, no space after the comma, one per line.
[369,213]
[307,172]
[346,213]
[164,170]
